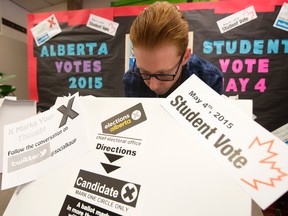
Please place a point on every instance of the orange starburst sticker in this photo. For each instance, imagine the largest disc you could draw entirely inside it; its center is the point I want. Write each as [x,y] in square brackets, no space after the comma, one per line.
[269,171]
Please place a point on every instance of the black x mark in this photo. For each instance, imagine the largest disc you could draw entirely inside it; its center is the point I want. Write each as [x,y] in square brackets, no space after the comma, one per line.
[67,112]
[129,192]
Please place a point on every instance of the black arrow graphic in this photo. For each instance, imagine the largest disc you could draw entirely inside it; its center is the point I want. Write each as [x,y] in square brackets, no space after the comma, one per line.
[109,168]
[112,157]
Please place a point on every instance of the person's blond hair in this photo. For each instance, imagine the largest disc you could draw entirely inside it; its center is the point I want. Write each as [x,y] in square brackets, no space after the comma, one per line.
[160,23]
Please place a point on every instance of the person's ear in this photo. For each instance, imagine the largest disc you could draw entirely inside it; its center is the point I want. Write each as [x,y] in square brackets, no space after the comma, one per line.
[186,56]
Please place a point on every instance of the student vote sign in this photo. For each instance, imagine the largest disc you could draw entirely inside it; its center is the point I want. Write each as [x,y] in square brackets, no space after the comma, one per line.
[241,150]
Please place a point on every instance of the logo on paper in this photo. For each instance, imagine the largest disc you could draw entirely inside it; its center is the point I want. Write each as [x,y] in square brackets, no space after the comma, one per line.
[114,189]
[51,22]
[268,170]
[281,24]
[124,120]
[27,158]
[67,112]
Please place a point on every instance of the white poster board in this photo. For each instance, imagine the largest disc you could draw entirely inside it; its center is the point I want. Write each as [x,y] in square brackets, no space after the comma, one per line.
[37,144]
[253,156]
[142,163]
[13,111]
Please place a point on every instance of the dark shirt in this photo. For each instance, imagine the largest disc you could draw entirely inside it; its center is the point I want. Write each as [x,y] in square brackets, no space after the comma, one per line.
[134,86]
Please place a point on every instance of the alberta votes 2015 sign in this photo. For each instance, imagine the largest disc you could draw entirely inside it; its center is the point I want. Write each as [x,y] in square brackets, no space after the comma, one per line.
[252,56]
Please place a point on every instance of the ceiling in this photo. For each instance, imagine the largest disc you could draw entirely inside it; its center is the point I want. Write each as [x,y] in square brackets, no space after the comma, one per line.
[35,5]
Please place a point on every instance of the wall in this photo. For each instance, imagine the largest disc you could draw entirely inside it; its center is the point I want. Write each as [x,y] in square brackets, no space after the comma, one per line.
[13,48]
[13,60]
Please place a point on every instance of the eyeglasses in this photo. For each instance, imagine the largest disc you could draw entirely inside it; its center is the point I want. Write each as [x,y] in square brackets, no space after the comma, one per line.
[159,76]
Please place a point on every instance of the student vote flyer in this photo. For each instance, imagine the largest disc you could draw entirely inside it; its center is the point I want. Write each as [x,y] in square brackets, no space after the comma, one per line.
[254,157]
[37,144]
[141,163]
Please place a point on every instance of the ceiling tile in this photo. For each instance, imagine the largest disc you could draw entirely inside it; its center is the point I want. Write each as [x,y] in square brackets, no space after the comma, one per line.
[34,5]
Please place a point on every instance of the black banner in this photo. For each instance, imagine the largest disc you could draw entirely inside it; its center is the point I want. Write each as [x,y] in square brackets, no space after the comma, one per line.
[252,56]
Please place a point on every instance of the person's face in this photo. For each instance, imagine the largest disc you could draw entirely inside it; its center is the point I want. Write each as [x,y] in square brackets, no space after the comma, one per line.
[162,59]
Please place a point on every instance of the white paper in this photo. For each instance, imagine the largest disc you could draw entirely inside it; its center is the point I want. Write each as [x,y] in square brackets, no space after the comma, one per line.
[8,98]
[237,19]
[166,170]
[281,21]
[282,133]
[103,25]
[254,157]
[37,144]
[13,111]
[45,30]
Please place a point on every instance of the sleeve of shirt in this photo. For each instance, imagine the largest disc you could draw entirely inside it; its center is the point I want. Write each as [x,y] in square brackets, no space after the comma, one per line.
[127,79]
[218,84]
[207,72]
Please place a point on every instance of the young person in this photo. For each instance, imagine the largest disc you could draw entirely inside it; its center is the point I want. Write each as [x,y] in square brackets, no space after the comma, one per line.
[163,60]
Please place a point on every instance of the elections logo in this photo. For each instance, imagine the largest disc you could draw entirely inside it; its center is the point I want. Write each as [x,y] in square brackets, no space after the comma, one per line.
[124,120]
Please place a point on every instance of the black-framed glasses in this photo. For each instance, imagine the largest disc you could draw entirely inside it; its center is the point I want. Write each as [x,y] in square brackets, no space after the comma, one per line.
[166,77]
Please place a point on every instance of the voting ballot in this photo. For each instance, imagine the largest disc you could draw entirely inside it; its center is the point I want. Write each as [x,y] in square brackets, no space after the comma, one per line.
[144,156]
[141,162]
